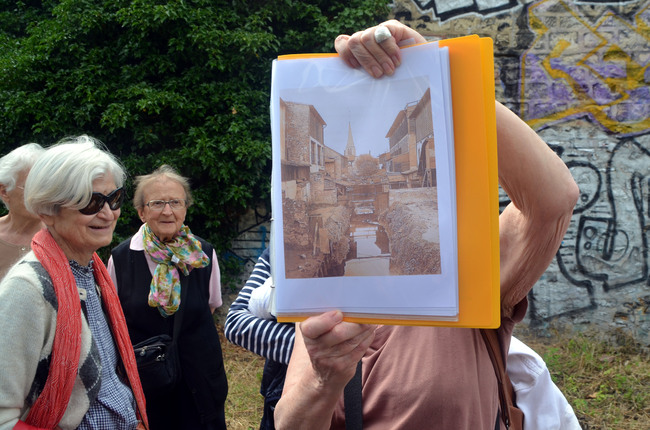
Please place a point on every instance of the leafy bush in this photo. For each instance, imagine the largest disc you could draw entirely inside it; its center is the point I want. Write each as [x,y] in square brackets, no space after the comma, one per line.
[182,82]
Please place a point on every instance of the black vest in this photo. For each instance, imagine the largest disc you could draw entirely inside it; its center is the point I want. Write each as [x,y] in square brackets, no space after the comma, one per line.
[199,346]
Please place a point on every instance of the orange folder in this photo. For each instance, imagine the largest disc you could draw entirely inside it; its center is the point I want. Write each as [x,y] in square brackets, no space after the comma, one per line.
[477,193]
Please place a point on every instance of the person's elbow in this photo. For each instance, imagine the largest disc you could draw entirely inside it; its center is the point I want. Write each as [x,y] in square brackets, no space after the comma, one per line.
[557,214]
[557,204]
[569,197]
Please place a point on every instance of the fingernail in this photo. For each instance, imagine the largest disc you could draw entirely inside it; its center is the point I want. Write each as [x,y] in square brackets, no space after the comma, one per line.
[377,72]
[396,60]
[388,69]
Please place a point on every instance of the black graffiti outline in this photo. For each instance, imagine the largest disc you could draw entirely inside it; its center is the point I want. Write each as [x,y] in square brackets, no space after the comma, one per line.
[474,8]
[638,204]
[464,10]
[586,205]
[613,232]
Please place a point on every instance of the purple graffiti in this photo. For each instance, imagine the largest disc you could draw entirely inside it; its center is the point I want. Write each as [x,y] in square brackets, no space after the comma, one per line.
[596,68]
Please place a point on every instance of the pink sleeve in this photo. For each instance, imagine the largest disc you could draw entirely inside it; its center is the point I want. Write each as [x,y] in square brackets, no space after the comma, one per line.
[111,271]
[215,284]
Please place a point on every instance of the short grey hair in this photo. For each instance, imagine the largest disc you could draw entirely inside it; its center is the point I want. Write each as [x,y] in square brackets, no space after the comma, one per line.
[141,182]
[21,158]
[64,175]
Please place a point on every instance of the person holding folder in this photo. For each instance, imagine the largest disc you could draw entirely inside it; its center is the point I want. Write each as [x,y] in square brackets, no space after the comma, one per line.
[432,377]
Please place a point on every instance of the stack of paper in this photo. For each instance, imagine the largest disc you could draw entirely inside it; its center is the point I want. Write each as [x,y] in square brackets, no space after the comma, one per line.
[367,178]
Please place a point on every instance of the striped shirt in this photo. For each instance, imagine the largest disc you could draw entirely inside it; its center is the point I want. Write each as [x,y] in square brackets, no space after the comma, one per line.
[268,338]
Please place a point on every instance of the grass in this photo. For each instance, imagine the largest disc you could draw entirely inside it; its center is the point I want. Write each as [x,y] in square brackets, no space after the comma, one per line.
[244,404]
[607,383]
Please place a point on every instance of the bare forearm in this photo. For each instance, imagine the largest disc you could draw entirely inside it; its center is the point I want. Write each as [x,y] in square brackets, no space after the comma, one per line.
[307,405]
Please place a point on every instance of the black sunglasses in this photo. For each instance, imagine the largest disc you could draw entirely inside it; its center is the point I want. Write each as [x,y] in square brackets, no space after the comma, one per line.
[97,201]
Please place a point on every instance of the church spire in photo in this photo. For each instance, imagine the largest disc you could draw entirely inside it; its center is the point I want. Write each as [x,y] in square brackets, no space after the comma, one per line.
[350,150]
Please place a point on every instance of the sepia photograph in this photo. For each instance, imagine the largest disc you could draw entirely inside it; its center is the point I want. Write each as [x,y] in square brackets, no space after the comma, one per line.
[363,187]
[359,194]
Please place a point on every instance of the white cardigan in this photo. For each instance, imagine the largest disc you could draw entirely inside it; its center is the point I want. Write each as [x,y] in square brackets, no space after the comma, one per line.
[28,310]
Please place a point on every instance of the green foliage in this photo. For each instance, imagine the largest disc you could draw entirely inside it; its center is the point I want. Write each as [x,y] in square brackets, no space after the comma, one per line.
[606,383]
[183,82]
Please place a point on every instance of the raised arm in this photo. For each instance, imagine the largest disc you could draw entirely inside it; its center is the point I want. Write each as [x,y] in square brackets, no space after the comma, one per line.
[542,194]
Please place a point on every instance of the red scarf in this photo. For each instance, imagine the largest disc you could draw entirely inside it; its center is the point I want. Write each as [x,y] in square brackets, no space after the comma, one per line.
[51,404]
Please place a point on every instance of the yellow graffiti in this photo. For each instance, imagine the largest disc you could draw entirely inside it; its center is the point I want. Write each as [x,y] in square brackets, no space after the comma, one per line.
[552,46]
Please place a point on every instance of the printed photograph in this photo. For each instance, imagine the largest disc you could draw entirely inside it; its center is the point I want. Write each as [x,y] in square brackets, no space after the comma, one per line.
[359,187]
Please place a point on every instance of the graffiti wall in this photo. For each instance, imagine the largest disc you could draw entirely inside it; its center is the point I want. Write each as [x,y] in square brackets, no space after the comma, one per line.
[577,72]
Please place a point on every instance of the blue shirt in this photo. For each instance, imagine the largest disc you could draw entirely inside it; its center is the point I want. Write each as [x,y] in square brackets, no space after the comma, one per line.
[114,407]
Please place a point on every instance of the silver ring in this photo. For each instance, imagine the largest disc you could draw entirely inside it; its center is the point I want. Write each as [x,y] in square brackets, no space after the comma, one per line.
[382,33]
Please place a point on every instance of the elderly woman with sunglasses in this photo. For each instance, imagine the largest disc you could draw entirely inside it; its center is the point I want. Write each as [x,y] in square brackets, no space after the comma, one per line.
[166,276]
[18,226]
[67,361]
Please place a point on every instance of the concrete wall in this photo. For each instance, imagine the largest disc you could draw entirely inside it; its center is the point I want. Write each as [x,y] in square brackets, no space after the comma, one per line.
[577,72]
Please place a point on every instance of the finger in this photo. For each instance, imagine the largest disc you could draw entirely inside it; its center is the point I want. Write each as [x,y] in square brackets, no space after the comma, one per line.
[316,326]
[347,341]
[402,32]
[354,51]
[376,58]
[384,55]
[346,337]
[339,361]
[340,44]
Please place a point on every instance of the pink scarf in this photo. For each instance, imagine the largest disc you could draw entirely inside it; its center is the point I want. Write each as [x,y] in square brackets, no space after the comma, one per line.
[51,404]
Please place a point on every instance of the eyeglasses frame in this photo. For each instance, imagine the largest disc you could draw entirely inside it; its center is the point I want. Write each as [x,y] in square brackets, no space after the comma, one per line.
[167,202]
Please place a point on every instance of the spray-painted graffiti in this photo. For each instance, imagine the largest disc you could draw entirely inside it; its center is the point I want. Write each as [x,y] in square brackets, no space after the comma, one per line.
[578,66]
[590,72]
[447,9]
[444,10]
[605,254]
[606,250]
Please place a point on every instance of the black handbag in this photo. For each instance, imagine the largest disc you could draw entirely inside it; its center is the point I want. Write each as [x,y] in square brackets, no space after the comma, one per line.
[157,360]
[157,357]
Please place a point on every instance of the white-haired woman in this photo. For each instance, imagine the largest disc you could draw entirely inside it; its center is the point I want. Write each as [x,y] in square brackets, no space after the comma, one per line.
[64,341]
[165,275]
[18,226]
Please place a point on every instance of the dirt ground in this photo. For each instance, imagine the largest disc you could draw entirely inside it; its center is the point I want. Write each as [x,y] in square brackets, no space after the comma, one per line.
[304,261]
[412,228]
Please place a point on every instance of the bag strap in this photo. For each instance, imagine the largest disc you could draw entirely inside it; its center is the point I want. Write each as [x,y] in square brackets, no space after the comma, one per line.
[353,402]
[506,390]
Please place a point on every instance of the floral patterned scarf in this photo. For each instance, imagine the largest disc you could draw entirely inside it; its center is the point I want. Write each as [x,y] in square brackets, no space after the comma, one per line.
[183,252]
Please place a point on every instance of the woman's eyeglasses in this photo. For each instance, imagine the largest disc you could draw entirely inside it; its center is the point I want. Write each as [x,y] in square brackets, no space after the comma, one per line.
[98,200]
[158,205]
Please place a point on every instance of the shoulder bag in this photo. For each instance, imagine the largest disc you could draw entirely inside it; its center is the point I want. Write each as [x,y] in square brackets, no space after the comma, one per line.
[157,357]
